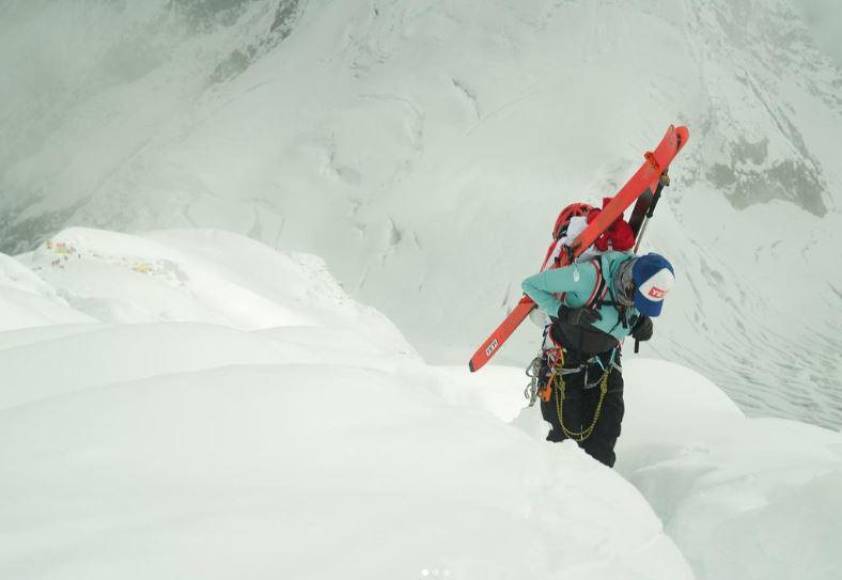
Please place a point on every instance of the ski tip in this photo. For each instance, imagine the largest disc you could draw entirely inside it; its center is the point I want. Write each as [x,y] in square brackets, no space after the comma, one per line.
[683,135]
[471,366]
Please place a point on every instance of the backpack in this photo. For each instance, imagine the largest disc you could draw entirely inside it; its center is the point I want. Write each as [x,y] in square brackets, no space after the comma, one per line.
[570,223]
[620,237]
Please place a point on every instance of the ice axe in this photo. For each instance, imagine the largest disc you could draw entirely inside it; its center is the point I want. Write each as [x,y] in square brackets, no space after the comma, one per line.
[663,182]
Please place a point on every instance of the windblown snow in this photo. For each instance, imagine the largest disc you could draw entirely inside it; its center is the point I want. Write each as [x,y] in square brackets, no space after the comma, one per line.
[193,403]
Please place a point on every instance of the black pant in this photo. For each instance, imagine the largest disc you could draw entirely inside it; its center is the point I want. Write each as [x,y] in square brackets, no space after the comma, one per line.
[580,403]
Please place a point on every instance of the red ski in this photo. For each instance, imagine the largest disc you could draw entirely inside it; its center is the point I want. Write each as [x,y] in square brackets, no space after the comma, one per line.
[646,179]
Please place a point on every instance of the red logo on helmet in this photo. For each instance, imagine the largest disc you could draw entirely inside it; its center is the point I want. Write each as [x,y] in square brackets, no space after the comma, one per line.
[657,293]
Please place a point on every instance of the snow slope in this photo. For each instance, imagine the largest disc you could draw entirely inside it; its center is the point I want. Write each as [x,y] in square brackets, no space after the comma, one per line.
[424,147]
[181,426]
[742,498]
[135,448]
[29,301]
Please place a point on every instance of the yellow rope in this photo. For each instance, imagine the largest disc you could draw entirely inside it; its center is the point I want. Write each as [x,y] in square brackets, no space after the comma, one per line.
[578,436]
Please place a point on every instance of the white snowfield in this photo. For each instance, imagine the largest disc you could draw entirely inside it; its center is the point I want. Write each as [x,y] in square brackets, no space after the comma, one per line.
[198,405]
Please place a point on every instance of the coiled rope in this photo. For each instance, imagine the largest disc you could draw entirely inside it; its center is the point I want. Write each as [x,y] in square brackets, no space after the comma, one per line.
[557,381]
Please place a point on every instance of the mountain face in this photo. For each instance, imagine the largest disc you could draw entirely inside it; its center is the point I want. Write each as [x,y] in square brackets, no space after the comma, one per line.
[424,149]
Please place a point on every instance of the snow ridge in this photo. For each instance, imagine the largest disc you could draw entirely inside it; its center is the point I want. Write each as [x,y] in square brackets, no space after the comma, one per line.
[209,406]
[194,448]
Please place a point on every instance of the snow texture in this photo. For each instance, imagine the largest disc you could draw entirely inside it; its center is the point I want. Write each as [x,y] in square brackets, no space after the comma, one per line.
[178,436]
[211,407]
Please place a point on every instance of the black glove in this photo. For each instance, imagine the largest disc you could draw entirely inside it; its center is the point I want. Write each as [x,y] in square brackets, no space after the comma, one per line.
[578,316]
[642,329]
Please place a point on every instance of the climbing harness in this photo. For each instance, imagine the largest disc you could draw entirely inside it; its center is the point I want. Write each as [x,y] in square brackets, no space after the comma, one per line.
[556,381]
[578,436]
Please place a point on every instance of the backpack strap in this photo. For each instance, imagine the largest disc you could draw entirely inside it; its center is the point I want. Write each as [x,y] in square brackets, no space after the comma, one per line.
[601,287]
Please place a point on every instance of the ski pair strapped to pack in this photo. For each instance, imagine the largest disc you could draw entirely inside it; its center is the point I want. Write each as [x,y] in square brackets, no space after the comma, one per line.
[648,180]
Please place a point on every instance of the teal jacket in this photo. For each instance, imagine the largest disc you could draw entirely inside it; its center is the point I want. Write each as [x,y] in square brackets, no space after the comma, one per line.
[577,282]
